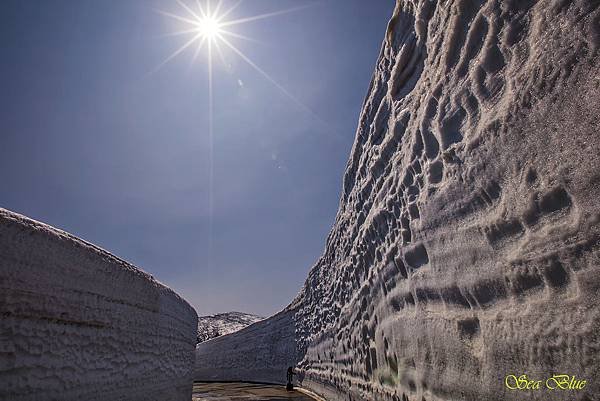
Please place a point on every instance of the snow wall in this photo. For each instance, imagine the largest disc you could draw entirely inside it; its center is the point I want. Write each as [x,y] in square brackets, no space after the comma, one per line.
[466,245]
[261,352]
[80,324]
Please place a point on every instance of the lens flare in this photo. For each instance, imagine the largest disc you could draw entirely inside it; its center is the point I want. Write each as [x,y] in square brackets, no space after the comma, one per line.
[210,28]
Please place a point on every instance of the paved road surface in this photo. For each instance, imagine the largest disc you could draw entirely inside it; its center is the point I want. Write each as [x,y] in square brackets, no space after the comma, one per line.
[245,392]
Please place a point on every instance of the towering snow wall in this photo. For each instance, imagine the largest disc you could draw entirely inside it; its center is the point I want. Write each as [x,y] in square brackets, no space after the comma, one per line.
[78,323]
[466,245]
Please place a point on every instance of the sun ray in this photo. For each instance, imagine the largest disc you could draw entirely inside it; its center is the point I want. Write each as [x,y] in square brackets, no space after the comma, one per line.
[211,168]
[221,55]
[218,8]
[264,74]
[229,10]
[178,33]
[177,17]
[198,48]
[237,35]
[172,56]
[189,10]
[267,15]
[201,8]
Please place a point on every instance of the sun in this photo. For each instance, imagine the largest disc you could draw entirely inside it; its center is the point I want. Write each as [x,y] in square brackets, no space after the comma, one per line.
[209,27]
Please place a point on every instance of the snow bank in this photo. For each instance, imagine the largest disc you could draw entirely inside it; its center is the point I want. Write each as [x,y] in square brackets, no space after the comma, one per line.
[466,246]
[80,324]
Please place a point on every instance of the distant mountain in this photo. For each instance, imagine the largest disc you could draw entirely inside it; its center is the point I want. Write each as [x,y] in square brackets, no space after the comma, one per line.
[223,323]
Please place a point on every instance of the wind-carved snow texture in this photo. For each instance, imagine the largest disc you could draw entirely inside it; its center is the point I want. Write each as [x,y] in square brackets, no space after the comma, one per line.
[466,245]
[78,323]
[223,323]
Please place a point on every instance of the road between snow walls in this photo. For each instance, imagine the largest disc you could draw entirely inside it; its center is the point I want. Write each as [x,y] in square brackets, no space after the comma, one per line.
[80,324]
[464,262]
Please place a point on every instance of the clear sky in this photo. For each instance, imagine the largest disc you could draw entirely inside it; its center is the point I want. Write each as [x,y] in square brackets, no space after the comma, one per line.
[96,141]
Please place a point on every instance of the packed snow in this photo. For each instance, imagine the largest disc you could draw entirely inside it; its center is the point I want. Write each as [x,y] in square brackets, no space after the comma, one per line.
[466,245]
[80,324]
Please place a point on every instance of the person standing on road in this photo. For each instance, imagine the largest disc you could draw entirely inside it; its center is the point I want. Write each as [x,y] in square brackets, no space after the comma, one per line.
[290,377]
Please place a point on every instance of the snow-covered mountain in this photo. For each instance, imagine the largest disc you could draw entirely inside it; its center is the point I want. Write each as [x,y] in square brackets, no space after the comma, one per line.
[223,323]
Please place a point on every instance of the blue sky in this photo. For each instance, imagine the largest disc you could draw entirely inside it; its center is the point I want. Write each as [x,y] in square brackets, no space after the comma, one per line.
[98,143]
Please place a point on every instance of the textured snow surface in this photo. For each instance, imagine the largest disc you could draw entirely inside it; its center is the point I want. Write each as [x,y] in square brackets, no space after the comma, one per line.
[466,246]
[261,352]
[80,324]
[223,323]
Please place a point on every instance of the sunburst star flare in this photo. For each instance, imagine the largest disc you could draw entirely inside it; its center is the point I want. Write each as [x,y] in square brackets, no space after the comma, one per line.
[208,27]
